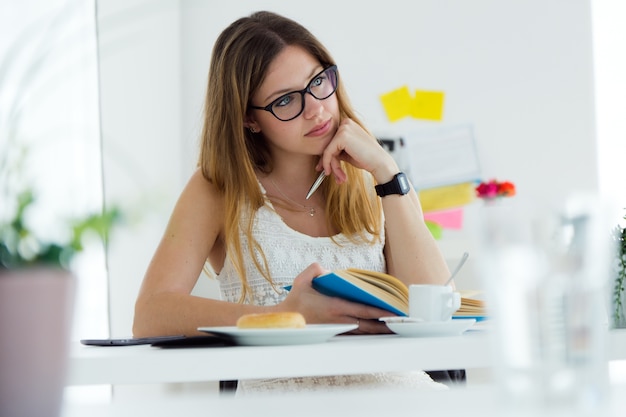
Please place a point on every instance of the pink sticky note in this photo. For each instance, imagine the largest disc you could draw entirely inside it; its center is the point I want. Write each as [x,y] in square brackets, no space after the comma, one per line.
[448,219]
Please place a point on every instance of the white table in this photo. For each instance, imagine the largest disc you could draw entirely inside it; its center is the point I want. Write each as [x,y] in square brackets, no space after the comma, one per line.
[341,355]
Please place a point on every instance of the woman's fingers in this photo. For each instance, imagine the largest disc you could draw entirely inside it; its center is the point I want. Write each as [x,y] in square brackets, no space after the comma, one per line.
[307,275]
[356,146]
[370,326]
[319,308]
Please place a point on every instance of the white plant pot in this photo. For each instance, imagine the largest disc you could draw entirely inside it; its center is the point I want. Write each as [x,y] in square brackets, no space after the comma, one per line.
[35,324]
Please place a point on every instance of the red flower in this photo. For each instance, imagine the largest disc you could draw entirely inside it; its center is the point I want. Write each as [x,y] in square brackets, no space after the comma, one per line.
[506,189]
[493,189]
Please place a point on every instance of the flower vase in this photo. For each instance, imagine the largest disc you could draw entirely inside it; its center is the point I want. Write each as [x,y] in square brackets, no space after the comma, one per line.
[35,323]
[494,201]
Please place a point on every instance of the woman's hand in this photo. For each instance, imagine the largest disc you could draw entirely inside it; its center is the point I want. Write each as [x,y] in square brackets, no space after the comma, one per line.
[357,147]
[319,308]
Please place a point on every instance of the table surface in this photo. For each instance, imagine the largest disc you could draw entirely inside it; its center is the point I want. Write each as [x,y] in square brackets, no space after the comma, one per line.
[341,355]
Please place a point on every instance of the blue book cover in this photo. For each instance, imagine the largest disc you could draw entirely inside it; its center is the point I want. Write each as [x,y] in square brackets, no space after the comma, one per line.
[333,285]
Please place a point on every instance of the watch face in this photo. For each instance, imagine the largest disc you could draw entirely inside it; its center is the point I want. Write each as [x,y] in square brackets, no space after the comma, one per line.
[403,182]
[398,185]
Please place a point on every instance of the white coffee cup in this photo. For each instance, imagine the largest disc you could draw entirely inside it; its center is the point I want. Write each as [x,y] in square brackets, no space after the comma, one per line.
[433,302]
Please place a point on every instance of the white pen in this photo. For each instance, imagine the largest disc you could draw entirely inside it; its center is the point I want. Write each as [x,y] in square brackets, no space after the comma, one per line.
[316,184]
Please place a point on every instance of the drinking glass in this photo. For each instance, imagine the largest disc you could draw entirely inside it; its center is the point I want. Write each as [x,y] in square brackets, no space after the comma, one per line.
[546,274]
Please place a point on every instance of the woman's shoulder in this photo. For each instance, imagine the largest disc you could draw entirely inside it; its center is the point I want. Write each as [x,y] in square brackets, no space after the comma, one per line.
[200,183]
[201,192]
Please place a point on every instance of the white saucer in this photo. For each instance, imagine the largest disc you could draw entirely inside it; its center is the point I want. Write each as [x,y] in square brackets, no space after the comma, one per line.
[407,327]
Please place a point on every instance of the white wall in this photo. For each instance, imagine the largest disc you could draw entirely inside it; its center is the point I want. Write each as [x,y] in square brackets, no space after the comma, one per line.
[140,87]
[610,85]
[519,71]
[522,78]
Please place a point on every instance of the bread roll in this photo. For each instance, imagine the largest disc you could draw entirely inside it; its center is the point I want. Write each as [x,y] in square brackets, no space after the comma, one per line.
[283,320]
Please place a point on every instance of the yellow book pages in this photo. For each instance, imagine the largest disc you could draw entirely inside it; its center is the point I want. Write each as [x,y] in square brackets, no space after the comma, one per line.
[471,303]
[472,310]
[473,294]
[382,280]
[472,298]
[394,292]
[380,292]
[390,279]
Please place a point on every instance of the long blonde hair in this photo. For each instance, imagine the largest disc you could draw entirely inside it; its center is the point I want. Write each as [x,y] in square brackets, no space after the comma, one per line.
[230,154]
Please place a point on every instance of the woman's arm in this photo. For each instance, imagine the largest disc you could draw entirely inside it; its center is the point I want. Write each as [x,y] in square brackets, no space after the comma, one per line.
[164,304]
[193,235]
[411,252]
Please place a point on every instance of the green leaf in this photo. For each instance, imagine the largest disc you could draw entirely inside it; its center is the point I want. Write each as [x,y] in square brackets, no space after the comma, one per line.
[15,234]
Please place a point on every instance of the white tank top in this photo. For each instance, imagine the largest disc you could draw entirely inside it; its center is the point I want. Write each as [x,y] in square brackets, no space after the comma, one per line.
[288,253]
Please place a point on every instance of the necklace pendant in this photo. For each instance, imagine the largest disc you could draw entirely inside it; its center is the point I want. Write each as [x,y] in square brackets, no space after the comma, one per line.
[311,211]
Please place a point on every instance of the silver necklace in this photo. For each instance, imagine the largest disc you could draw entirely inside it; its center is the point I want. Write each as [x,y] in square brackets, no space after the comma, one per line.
[310,209]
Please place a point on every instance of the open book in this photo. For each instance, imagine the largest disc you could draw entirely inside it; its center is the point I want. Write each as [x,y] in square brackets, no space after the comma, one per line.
[381,290]
[471,305]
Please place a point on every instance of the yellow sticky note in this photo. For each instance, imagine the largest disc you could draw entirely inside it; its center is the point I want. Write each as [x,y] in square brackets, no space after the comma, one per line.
[427,105]
[446,197]
[397,103]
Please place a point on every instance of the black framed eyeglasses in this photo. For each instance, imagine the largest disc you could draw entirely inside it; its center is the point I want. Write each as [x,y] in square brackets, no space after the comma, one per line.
[291,105]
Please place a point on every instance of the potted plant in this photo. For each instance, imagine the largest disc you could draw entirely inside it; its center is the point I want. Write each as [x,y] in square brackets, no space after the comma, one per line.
[618,295]
[36,306]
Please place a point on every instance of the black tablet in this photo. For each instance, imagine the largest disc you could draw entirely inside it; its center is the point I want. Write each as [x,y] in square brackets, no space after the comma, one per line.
[209,340]
[129,341]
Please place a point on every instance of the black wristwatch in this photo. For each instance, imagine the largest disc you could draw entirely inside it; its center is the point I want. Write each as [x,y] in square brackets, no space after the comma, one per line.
[398,185]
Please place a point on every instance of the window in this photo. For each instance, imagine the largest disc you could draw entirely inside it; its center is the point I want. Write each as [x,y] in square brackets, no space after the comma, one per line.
[49,112]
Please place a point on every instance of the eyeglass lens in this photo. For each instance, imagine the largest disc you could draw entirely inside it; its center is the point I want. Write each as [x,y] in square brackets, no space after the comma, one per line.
[291,105]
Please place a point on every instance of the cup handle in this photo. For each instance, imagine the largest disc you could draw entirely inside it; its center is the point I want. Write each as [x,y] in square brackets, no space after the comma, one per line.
[452,302]
[456,301]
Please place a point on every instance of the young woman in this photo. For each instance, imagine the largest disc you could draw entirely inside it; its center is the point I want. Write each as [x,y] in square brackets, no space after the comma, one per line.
[276,115]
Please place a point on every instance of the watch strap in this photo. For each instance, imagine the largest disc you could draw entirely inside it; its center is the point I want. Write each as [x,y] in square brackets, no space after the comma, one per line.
[398,185]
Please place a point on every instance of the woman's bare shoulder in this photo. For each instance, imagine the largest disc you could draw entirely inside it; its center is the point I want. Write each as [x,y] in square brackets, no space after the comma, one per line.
[201,195]
[198,184]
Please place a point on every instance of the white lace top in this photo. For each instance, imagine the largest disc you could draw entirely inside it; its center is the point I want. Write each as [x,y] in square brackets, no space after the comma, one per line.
[288,252]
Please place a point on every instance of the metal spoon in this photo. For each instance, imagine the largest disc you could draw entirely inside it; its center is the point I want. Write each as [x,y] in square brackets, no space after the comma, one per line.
[458,267]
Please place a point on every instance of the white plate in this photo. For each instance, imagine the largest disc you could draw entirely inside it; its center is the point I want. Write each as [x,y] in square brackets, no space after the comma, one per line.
[312,333]
[424,329]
